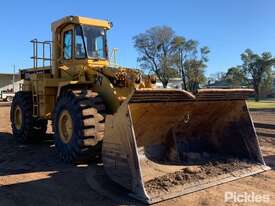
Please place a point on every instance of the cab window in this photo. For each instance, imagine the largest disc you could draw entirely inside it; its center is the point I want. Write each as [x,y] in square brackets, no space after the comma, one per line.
[95,42]
[67,44]
[80,52]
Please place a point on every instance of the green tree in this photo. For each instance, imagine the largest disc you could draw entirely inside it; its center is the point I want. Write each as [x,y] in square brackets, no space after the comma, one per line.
[195,74]
[266,86]
[190,61]
[256,67]
[155,52]
[235,76]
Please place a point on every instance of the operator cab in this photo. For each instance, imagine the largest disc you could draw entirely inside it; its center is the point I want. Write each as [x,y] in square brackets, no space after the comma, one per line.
[78,42]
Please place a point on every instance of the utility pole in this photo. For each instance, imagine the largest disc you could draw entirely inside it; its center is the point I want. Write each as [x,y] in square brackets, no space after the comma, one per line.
[13,79]
[113,56]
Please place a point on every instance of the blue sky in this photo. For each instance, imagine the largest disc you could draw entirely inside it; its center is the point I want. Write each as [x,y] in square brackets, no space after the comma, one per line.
[227,27]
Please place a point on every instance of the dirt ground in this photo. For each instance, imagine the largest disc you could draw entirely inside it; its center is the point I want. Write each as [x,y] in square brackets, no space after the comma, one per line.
[33,175]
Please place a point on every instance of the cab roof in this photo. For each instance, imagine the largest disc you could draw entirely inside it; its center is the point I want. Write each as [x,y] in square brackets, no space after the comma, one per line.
[80,20]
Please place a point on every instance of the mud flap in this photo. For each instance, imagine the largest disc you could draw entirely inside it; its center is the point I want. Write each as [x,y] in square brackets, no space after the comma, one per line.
[165,143]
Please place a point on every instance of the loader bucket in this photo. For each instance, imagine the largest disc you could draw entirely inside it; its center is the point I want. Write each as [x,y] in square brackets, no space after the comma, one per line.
[165,143]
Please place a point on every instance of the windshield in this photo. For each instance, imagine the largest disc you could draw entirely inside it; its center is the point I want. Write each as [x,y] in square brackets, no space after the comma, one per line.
[94,42]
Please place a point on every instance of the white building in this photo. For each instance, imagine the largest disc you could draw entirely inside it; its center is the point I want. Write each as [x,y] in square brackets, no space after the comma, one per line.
[12,87]
[174,83]
[6,82]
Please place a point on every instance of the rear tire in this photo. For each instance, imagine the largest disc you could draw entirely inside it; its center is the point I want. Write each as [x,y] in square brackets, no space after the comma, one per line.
[25,127]
[78,125]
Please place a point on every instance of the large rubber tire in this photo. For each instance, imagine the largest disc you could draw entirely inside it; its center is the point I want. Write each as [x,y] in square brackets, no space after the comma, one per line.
[31,129]
[83,139]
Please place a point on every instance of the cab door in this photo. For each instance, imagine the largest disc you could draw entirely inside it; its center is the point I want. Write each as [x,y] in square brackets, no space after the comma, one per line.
[80,53]
[67,61]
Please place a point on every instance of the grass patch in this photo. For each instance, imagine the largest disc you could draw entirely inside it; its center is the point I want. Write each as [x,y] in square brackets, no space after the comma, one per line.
[261,105]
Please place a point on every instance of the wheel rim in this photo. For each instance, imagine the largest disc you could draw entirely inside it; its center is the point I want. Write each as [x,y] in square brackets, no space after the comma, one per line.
[18,117]
[65,126]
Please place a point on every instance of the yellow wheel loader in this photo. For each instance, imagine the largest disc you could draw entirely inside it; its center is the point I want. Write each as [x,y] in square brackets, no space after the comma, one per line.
[155,143]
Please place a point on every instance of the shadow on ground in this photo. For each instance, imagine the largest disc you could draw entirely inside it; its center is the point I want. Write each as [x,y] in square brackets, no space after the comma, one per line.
[263,134]
[264,125]
[33,175]
[270,161]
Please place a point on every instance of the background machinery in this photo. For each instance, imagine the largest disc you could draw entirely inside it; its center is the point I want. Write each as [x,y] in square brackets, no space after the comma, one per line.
[6,95]
[157,143]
